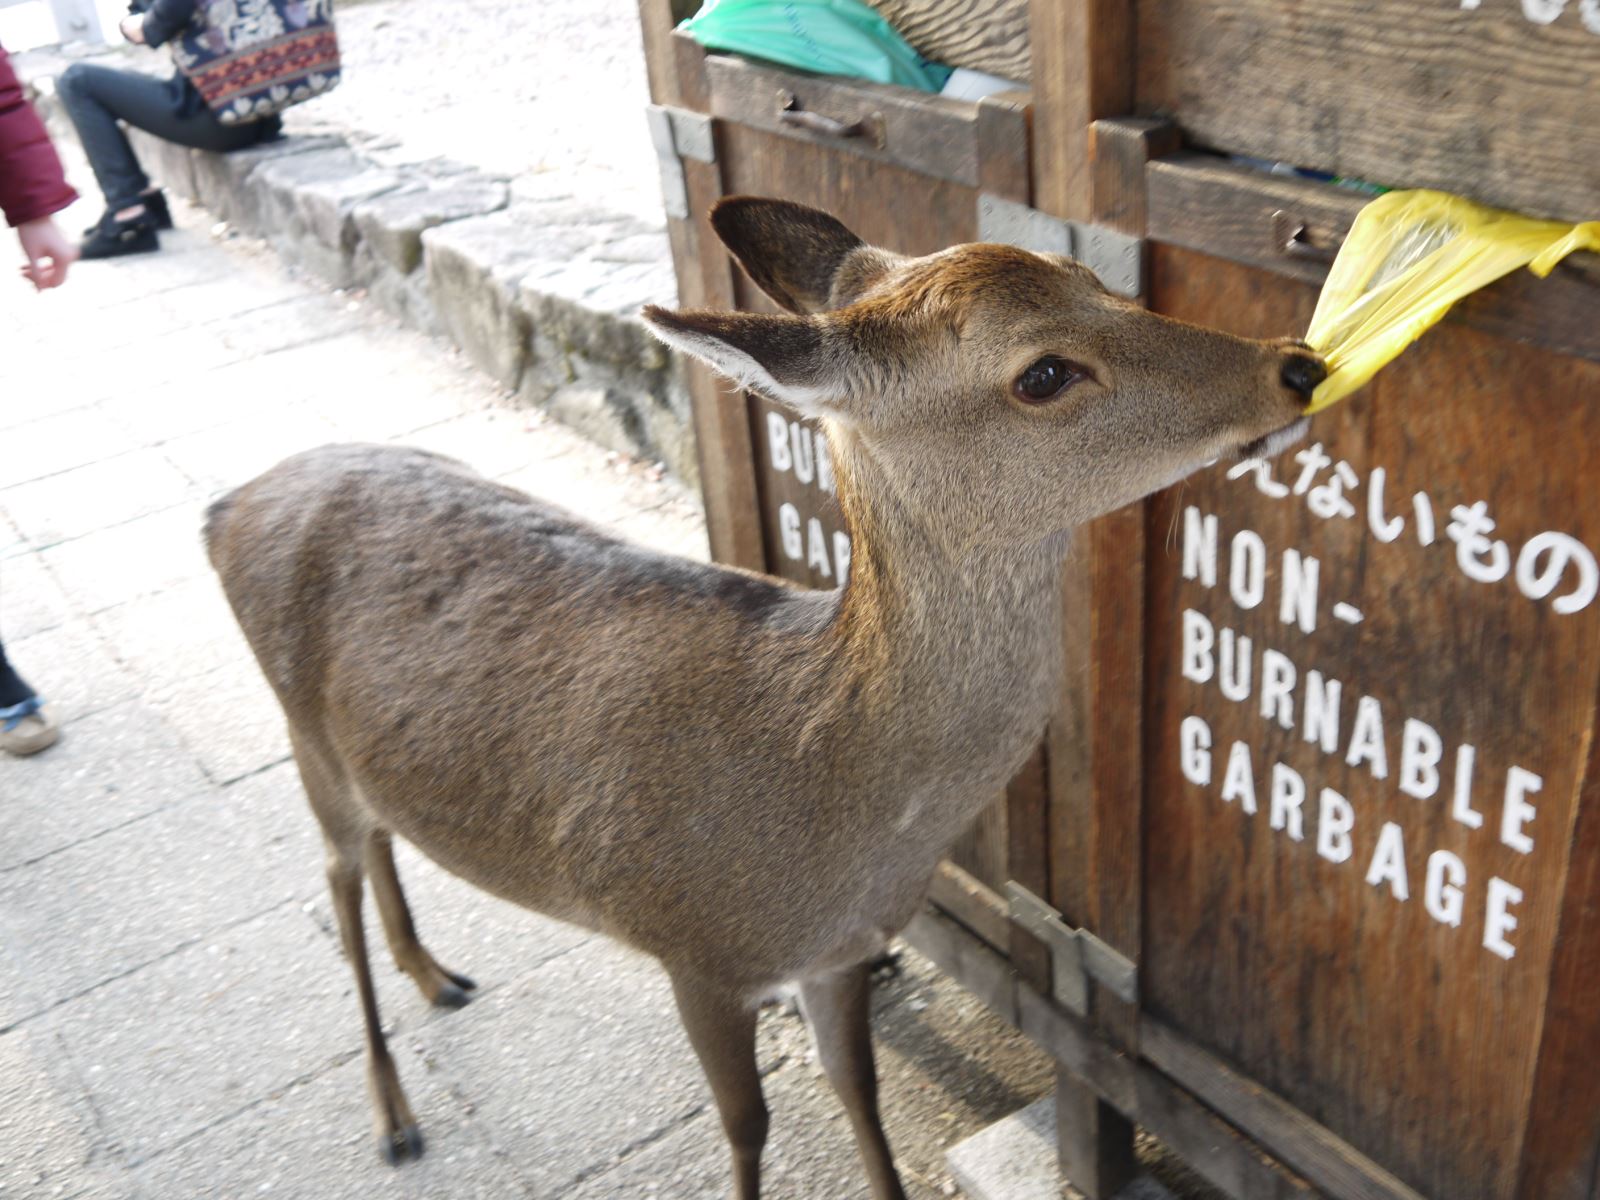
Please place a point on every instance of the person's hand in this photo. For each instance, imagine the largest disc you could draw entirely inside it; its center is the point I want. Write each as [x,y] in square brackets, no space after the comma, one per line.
[132,27]
[49,253]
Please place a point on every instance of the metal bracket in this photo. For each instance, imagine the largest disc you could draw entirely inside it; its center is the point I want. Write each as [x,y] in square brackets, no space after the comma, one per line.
[1117,258]
[678,134]
[1076,955]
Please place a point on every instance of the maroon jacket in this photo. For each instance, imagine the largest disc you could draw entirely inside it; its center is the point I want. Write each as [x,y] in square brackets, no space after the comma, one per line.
[31,181]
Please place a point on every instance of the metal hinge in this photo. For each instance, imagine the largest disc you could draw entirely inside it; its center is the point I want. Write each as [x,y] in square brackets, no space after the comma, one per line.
[1076,955]
[1117,258]
[678,134]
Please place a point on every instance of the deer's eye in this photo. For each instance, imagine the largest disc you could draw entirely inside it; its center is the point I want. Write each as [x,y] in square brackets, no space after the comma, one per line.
[1046,379]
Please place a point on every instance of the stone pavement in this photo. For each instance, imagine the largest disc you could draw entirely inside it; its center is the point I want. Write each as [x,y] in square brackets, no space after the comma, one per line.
[175,1019]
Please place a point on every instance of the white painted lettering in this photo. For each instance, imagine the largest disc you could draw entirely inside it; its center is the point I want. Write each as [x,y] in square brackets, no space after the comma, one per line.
[789,528]
[1233,665]
[1518,812]
[805,463]
[1288,795]
[1334,823]
[1461,806]
[1277,688]
[816,547]
[841,552]
[1198,638]
[778,441]
[1441,895]
[1194,750]
[1239,781]
[1389,862]
[1320,706]
[1366,739]
[1247,572]
[1420,751]
[1299,604]
[1497,920]
[1200,546]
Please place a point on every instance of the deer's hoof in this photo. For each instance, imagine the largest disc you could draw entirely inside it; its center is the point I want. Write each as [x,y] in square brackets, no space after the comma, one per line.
[401,1145]
[461,981]
[453,995]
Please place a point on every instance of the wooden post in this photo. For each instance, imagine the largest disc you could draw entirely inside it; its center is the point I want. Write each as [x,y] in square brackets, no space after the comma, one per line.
[1082,71]
[1094,1142]
[1098,735]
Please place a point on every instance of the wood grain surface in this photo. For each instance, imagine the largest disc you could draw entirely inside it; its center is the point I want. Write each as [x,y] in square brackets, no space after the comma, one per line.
[1403,1034]
[984,35]
[1471,98]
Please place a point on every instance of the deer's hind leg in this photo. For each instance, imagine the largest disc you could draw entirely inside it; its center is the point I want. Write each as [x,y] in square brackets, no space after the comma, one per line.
[347,829]
[440,985]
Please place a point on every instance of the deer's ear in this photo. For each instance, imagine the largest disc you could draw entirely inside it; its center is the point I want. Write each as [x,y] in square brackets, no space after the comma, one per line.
[803,258]
[791,359]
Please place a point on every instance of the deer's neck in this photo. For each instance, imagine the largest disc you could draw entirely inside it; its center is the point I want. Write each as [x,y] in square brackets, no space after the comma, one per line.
[955,651]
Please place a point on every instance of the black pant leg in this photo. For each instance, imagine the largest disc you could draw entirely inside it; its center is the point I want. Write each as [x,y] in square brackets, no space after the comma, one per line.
[97,97]
[13,690]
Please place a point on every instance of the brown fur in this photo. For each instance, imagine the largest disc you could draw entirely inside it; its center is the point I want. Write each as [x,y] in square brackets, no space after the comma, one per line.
[749,781]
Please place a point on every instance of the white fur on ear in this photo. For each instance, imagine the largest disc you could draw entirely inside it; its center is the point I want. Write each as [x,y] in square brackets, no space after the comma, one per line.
[733,362]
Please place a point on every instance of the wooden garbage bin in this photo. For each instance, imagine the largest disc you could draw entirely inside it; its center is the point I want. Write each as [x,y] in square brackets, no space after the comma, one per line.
[1306,876]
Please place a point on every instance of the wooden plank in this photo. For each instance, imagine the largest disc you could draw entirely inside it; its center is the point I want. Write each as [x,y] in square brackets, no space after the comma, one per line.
[1116,751]
[1072,865]
[1199,1137]
[1480,100]
[963,957]
[1087,72]
[982,35]
[1123,148]
[1327,1161]
[1004,140]
[1028,862]
[1264,940]
[656,21]
[973,904]
[1094,1142]
[722,438]
[1203,203]
[1210,1146]
[900,127]
[1077,1047]
[1561,1153]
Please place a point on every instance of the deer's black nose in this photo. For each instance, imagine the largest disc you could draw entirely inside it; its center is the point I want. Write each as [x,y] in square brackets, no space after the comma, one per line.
[1303,372]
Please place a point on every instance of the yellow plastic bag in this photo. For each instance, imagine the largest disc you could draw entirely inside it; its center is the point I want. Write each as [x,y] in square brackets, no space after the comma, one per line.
[1409,257]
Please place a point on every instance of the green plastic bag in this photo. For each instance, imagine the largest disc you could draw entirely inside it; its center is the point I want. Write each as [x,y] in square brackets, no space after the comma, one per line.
[831,37]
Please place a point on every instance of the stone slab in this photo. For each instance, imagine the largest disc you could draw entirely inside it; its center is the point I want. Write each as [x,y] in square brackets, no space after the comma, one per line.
[1013,1159]
[110,768]
[139,558]
[73,668]
[201,1035]
[229,719]
[391,226]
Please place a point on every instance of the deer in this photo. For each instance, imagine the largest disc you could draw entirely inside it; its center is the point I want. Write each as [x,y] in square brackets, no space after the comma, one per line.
[750,781]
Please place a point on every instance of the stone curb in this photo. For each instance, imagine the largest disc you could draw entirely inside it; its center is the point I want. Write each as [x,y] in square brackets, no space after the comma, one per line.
[538,288]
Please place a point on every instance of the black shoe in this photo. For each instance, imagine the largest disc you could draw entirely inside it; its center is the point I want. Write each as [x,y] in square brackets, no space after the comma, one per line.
[113,238]
[155,207]
[156,213]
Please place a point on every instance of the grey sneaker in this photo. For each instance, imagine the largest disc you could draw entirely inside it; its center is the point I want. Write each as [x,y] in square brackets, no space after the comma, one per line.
[28,728]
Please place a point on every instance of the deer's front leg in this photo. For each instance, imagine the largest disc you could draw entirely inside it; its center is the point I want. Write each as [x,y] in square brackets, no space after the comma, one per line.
[395,1128]
[838,1007]
[722,1030]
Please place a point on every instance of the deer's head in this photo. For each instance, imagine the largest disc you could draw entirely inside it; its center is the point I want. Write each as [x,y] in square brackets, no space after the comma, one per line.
[1005,394]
